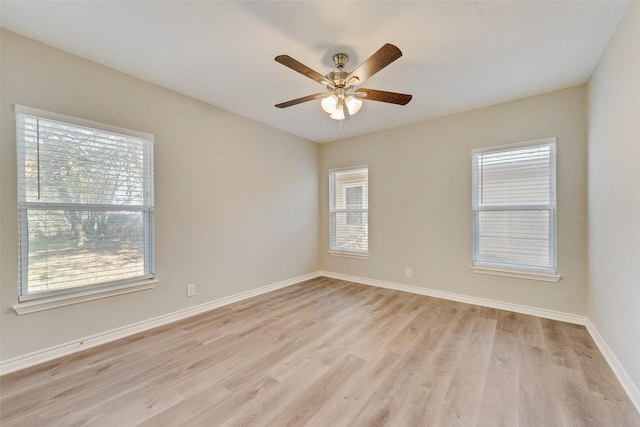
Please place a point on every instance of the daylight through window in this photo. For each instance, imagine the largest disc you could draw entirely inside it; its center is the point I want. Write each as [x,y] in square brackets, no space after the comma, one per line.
[85,200]
[348,210]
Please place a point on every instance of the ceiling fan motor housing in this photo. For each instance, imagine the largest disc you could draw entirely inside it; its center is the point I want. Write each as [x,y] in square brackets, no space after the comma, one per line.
[338,77]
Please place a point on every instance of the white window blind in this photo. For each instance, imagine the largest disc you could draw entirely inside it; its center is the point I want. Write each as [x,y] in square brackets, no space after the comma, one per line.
[85,200]
[348,210]
[514,206]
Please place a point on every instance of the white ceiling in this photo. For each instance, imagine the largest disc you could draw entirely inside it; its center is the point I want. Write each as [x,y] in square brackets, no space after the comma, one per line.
[457,55]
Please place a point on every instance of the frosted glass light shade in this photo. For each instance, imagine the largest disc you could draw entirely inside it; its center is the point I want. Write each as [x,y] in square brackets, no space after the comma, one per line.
[353,104]
[329,104]
[338,114]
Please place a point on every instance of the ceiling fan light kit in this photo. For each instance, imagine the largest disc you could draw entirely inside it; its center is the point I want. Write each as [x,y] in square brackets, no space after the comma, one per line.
[334,105]
[341,84]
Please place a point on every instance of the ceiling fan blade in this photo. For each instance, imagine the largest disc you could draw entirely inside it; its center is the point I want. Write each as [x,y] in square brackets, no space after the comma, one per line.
[301,100]
[382,96]
[376,62]
[288,61]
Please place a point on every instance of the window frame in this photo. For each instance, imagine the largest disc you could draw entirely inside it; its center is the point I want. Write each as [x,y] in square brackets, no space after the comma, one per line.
[333,211]
[36,301]
[547,273]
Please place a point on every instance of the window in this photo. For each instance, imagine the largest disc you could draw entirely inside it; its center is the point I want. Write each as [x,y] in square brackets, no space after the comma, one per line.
[514,208]
[85,201]
[348,210]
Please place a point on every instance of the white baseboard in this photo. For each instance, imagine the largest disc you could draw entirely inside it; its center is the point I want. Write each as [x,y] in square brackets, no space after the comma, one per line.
[484,302]
[47,354]
[616,366]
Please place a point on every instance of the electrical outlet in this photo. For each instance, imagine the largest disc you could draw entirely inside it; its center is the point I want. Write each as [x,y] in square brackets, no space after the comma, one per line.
[191,290]
[407,272]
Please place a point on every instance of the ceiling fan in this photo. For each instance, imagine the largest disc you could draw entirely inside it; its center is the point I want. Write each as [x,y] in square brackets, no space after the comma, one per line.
[344,98]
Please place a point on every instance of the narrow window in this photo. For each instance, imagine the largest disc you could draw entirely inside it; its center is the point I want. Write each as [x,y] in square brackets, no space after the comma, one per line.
[348,210]
[85,201]
[514,207]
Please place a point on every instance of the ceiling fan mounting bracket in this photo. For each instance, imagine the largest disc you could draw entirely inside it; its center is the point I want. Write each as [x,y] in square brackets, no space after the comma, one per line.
[340,59]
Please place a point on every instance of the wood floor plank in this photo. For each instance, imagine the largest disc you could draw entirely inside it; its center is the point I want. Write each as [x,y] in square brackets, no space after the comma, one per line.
[538,404]
[327,349]
[210,408]
[336,411]
[131,407]
[76,389]
[384,405]
[464,396]
[327,352]
[405,339]
[577,408]
[442,333]
[310,400]
[277,400]
[267,359]
[557,346]
[451,340]
[499,406]
[395,317]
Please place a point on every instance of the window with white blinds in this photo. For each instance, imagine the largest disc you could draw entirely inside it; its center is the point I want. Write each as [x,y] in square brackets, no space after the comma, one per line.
[514,206]
[348,210]
[85,201]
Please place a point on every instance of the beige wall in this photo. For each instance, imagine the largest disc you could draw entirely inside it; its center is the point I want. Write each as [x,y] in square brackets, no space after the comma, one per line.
[614,194]
[420,199]
[236,201]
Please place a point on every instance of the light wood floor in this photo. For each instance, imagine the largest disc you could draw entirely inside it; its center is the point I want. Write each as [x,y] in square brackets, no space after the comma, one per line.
[330,353]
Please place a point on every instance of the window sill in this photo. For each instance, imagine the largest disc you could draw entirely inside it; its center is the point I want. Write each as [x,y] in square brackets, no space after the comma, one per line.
[355,255]
[520,274]
[82,296]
